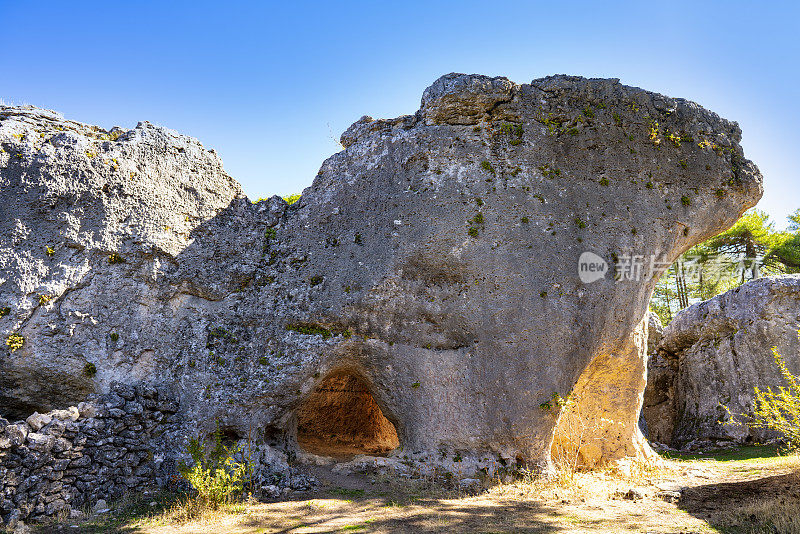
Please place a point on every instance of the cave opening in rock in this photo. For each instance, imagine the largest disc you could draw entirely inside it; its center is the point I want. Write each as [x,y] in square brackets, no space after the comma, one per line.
[341,419]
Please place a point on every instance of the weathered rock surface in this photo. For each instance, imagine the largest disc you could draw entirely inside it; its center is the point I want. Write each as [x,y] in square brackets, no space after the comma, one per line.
[434,259]
[73,196]
[656,417]
[713,353]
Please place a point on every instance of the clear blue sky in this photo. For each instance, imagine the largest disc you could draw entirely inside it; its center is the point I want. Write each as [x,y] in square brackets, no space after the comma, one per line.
[270,85]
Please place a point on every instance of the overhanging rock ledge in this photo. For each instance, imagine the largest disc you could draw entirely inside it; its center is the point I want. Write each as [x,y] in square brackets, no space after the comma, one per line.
[433,260]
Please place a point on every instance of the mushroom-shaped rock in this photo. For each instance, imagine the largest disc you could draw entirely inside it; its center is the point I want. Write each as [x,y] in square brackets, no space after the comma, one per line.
[480,269]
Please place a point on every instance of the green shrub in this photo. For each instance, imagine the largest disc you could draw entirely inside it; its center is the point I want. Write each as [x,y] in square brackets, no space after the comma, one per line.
[114,258]
[5,311]
[777,410]
[216,476]
[89,369]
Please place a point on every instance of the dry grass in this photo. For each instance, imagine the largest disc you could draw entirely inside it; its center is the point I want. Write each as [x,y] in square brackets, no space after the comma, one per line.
[763,516]
[746,493]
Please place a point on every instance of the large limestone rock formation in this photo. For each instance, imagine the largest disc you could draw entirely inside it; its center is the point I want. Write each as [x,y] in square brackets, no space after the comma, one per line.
[90,224]
[433,264]
[713,353]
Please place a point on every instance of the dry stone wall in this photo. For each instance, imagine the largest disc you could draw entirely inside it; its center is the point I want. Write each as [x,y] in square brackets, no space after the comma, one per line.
[66,460]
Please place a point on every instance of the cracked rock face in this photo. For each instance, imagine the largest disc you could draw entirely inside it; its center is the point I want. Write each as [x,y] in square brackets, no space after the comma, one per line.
[434,259]
[713,353]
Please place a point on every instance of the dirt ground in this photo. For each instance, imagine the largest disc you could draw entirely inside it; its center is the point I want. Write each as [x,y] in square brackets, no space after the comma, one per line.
[750,490]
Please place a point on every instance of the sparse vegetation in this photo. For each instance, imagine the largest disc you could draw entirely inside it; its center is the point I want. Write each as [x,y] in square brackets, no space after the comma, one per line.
[214,473]
[549,172]
[115,258]
[318,330]
[777,410]
[15,342]
[587,501]
[291,199]
[89,370]
[486,166]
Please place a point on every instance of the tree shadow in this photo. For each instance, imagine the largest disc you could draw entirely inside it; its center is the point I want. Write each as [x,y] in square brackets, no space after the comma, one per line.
[768,504]
[428,516]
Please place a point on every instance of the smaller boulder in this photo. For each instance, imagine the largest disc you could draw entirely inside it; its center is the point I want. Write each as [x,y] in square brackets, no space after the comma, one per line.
[37,420]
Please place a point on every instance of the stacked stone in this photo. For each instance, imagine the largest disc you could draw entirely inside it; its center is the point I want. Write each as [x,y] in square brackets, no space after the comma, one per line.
[53,463]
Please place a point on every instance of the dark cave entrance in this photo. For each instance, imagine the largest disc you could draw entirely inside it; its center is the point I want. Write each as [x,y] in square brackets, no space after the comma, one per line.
[341,419]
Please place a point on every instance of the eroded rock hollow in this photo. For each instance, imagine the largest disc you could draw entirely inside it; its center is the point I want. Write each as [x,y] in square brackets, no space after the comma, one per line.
[433,263]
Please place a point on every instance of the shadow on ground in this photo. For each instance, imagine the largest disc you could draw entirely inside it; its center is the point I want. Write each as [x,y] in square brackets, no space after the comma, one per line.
[769,504]
[425,516]
[365,514]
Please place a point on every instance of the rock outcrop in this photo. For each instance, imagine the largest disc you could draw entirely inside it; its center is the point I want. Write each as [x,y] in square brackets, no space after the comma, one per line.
[433,262]
[713,353]
[90,224]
